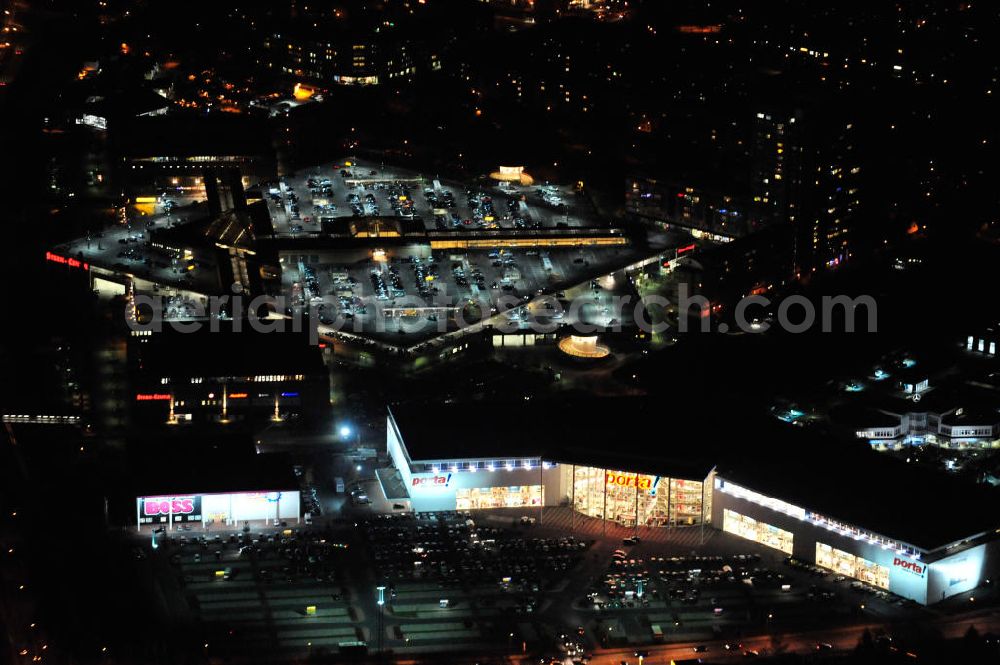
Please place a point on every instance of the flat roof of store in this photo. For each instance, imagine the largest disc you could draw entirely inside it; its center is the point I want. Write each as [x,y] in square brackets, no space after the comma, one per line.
[229,469]
[225,352]
[848,482]
[862,487]
[616,433]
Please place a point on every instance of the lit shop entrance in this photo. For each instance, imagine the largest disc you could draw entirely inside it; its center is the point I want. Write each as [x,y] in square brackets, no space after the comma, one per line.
[499,497]
[849,565]
[759,532]
[628,499]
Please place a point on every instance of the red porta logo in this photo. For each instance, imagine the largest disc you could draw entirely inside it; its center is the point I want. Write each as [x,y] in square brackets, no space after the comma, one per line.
[911,566]
[168,506]
[432,481]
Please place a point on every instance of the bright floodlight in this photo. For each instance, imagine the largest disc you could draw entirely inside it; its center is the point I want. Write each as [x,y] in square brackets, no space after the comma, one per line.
[345,431]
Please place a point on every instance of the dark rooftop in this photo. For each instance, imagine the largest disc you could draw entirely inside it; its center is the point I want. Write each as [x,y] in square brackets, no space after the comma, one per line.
[862,416]
[618,433]
[210,466]
[857,485]
[225,353]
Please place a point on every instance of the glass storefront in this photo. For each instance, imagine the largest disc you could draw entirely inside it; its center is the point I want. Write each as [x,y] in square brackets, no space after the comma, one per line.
[760,532]
[622,497]
[850,565]
[872,573]
[836,560]
[686,501]
[498,497]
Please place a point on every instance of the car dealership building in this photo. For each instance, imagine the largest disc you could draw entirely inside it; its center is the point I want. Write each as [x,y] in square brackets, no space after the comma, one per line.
[891,525]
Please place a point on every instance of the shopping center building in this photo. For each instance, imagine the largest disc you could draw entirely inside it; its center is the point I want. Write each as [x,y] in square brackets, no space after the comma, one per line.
[228,508]
[441,473]
[229,487]
[917,535]
[891,525]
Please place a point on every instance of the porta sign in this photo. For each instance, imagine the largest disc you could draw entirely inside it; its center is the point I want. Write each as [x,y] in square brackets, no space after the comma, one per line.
[629,480]
[427,482]
[911,566]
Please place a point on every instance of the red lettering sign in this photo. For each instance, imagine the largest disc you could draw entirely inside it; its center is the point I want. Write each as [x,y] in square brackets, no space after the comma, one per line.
[71,262]
[152,397]
[433,481]
[911,566]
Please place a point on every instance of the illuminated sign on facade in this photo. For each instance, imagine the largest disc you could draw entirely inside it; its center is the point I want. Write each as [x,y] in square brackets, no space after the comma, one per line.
[432,481]
[911,566]
[67,261]
[169,508]
[620,479]
[152,397]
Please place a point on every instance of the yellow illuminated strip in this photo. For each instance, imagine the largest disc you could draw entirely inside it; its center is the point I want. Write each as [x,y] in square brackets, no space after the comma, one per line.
[472,243]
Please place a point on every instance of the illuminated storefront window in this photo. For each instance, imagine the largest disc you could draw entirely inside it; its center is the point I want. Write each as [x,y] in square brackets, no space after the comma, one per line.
[588,491]
[686,501]
[623,496]
[850,565]
[498,497]
[836,560]
[760,532]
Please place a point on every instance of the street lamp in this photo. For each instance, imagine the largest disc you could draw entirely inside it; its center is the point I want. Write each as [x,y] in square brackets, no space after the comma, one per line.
[381,610]
[348,431]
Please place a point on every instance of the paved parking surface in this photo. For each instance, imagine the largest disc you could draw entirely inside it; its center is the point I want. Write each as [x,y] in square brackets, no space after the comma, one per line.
[416,294]
[317,200]
[254,592]
[507,586]
[126,249]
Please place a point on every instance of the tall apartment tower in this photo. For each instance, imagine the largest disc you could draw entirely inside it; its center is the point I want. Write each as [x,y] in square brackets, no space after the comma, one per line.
[805,172]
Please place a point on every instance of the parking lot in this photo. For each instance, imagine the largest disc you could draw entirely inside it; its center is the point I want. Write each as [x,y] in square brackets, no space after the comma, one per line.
[412,293]
[499,581]
[126,249]
[318,200]
[266,592]
[450,580]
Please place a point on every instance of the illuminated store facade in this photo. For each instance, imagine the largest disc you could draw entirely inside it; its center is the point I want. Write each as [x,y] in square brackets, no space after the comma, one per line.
[229,508]
[925,576]
[627,497]
[635,498]
[621,497]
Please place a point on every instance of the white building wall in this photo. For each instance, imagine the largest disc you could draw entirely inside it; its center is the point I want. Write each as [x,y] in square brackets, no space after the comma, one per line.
[394,447]
[962,571]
